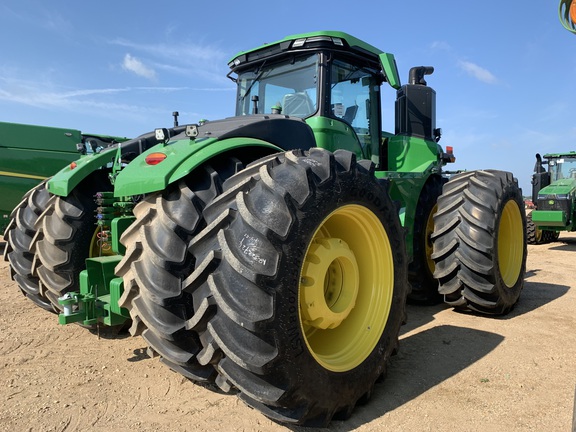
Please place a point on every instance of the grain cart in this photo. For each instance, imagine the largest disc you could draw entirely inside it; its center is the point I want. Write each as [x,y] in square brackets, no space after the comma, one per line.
[29,154]
[554,197]
[272,253]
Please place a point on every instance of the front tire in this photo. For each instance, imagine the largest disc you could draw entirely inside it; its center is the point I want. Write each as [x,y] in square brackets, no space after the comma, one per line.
[304,267]
[480,242]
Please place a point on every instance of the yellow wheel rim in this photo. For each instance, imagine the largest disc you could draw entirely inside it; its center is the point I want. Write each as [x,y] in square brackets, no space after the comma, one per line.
[428,239]
[510,244]
[346,288]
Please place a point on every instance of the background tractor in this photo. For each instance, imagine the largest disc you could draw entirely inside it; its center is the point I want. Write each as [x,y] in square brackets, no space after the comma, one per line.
[554,198]
[272,253]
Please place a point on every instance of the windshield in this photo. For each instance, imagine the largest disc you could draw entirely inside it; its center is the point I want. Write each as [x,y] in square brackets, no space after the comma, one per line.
[562,168]
[282,88]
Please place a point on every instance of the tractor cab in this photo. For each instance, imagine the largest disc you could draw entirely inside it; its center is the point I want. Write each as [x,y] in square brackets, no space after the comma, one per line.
[331,80]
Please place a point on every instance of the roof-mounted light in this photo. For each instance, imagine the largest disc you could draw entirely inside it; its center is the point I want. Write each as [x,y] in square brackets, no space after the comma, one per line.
[319,39]
[298,43]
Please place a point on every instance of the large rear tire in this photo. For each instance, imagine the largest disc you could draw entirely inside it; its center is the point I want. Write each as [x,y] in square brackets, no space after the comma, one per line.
[300,285]
[157,260]
[65,238]
[421,269]
[480,242]
[18,236]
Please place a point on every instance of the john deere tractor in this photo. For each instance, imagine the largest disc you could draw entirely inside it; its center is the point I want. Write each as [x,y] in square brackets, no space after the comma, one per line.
[272,253]
[554,197]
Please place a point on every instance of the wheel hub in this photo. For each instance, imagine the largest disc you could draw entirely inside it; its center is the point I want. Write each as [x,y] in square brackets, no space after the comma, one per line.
[329,283]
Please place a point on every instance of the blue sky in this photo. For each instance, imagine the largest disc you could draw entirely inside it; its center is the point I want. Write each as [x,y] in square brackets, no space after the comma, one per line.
[504,70]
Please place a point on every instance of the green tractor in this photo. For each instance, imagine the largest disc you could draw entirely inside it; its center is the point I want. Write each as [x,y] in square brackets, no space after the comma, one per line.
[272,253]
[554,198]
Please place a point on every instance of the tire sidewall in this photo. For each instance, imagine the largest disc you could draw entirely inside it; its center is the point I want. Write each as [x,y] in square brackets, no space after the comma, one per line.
[509,295]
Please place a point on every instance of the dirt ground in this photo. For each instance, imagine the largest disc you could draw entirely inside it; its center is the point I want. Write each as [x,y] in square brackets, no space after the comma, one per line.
[454,372]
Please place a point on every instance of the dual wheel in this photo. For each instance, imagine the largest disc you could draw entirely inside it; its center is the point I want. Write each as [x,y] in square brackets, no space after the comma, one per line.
[294,290]
[49,238]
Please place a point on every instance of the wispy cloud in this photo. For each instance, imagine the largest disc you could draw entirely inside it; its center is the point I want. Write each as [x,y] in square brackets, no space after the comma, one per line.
[474,70]
[188,59]
[47,19]
[134,65]
[477,72]
[55,22]
[440,45]
[43,94]
[189,52]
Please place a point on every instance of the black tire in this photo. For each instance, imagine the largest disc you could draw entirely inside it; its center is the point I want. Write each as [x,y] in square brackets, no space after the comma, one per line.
[18,236]
[66,231]
[157,260]
[480,242]
[315,220]
[421,269]
[534,235]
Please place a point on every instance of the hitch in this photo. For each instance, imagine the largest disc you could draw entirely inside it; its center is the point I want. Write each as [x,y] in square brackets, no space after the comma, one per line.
[98,298]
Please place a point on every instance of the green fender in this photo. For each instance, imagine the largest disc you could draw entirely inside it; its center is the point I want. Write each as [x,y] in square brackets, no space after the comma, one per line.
[68,177]
[138,177]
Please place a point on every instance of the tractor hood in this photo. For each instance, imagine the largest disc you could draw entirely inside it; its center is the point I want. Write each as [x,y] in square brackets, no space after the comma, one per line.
[559,188]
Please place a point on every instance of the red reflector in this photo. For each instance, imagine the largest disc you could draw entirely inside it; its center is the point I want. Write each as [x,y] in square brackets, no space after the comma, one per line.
[155,158]
[73,165]
[449,149]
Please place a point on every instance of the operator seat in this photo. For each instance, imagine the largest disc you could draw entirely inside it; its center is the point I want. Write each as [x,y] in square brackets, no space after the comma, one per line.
[297,104]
